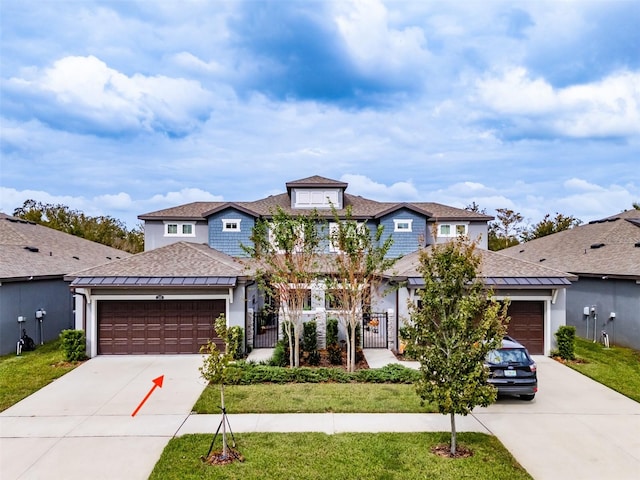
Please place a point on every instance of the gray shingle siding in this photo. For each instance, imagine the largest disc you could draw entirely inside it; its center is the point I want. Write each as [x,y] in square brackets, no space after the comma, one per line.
[230,242]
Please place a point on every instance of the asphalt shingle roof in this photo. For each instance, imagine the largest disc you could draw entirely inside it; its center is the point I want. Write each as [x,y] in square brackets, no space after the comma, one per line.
[180,259]
[31,250]
[362,208]
[610,246]
[497,269]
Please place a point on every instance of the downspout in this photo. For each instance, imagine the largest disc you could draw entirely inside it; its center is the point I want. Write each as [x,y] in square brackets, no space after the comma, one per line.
[397,339]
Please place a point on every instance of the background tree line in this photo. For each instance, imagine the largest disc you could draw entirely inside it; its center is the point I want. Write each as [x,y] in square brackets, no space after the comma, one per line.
[101,229]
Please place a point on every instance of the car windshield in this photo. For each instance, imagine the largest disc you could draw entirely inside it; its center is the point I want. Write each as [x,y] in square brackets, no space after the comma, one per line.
[507,355]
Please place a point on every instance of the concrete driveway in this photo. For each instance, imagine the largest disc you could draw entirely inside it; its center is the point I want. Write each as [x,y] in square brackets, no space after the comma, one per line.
[80,426]
[575,428]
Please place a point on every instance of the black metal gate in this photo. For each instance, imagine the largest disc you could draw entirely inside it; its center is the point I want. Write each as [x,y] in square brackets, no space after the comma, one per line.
[265,329]
[374,330]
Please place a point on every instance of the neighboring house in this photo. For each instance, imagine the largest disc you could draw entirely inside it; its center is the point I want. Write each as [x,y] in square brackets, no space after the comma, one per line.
[604,256]
[33,262]
[155,302]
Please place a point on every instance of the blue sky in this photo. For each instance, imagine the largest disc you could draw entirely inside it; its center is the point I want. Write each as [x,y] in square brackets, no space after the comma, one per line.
[125,107]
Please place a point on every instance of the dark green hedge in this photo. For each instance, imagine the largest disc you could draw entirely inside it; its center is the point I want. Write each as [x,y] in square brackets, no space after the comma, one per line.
[249,373]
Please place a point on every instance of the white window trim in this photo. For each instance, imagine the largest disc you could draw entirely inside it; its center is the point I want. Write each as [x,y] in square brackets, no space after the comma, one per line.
[333,228]
[398,221]
[453,229]
[179,226]
[231,220]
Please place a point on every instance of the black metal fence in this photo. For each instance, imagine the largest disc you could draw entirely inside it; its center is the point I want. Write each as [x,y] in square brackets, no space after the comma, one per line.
[265,329]
[374,330]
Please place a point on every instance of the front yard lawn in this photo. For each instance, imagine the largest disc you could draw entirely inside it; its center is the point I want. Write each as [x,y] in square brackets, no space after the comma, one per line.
[312,456]
[616,367]
[313,398]
[20,376]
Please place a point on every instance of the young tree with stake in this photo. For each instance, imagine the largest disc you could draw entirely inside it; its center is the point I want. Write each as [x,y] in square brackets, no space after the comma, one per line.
[451,330]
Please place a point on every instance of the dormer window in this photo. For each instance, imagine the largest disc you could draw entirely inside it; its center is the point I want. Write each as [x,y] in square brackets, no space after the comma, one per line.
[401,225]
[179,229]
[316,198]
[231,224]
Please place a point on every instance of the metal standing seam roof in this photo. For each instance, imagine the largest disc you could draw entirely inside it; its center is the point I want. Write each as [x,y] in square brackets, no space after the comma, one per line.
[529,282]
[154,282]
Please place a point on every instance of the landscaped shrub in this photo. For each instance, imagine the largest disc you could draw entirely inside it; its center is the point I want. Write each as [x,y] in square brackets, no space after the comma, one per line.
[235,339]
[309,337]
[280,356]
[566,337]
[310,343]
[74,345]
[334,351]
[332,331]
[244,373]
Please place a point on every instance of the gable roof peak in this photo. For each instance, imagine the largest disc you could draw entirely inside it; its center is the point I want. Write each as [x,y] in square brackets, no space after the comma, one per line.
[316,181]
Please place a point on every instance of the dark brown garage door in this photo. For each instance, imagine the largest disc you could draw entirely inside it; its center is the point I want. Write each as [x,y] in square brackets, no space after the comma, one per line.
[527,325]
[151,327]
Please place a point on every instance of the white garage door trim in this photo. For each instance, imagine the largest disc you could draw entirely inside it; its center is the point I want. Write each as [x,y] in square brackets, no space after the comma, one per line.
[92,304]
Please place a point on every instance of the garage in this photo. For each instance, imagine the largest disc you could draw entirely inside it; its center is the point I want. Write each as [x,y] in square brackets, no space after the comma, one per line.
[527,325]
[141,327]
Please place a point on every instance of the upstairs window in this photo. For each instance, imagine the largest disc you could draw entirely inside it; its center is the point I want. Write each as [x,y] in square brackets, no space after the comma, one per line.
[176,229]
[230,224]
[452,230]
[401,225]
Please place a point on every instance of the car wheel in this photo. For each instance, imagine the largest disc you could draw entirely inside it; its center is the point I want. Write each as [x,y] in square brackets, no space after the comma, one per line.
[528,398]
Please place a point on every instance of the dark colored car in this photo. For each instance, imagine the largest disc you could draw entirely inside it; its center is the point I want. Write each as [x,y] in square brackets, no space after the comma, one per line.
[512,370]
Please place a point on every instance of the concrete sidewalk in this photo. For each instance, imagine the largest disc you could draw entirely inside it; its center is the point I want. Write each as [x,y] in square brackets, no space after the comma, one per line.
[332,423]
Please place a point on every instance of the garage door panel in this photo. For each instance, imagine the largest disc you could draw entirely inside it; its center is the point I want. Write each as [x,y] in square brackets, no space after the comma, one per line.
[527,324]
[153,327]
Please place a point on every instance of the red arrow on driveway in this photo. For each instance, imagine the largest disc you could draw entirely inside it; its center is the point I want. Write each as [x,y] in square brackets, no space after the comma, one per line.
[157,382]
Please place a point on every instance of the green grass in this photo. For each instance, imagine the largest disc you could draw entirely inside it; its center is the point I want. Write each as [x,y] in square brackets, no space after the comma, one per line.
[312,456]
[20,376]
[616,367]
[313,398]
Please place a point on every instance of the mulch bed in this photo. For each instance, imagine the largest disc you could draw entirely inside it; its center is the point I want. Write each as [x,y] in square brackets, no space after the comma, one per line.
[324,361]
[218,458]
[444,450]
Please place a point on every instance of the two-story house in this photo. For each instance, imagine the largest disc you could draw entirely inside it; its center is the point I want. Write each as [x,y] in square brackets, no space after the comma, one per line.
[165,299]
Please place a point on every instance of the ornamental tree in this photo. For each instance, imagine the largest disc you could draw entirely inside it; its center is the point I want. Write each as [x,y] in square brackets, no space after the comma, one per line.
[354,272]
[286,250]
[451,330]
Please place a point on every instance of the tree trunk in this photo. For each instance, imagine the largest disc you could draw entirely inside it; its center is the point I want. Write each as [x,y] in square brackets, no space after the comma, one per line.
[225,447]
[351,349]
[296,356]
[453,433]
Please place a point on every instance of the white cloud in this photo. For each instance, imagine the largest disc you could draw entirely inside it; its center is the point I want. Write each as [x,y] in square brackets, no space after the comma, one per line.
[364,186]
[608,108]
[578,184]
[374,44]
[94,97]
[119,201]
[186,195]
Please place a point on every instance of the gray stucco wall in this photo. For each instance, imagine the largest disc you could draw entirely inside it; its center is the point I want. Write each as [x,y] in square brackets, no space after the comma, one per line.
[607,295]
[24,298]
[476,231]
[154,236]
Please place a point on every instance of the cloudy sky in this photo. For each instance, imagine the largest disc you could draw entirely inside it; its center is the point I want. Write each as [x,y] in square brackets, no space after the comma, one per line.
[125,107]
